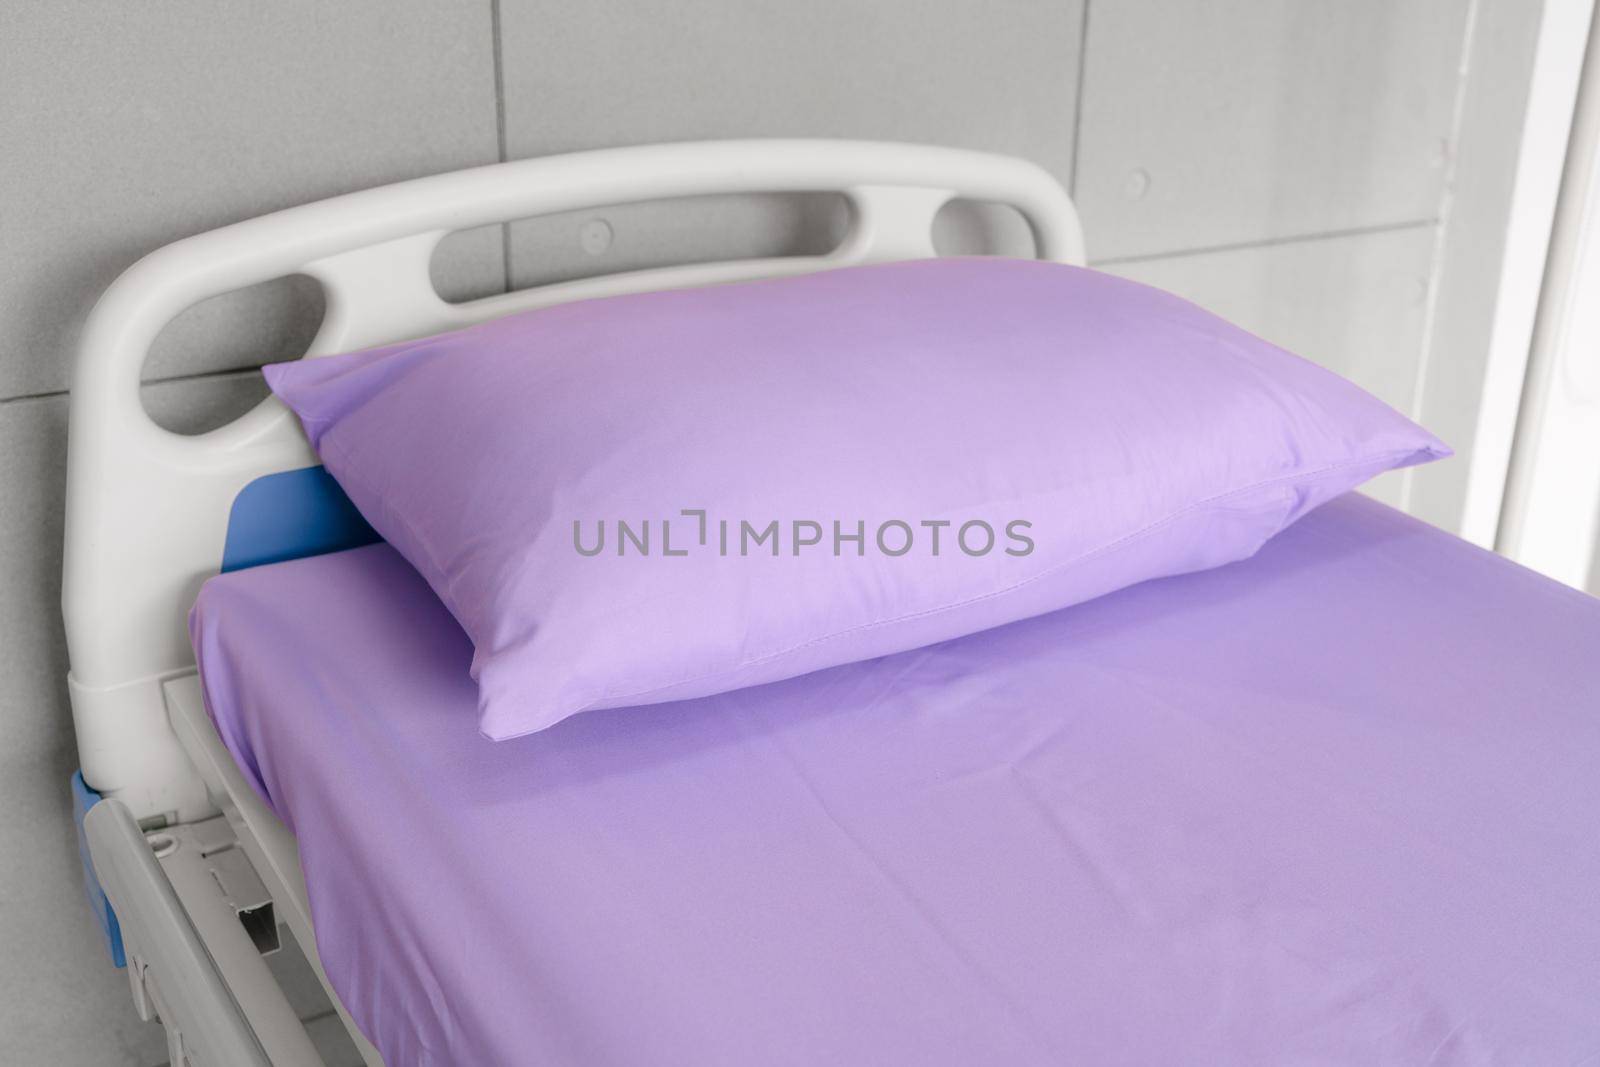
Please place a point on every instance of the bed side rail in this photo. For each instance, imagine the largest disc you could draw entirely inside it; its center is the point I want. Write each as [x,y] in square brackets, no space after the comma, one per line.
[187,952]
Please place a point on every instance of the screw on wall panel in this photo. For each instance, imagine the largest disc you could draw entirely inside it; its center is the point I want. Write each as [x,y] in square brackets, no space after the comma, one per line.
[595,236]
[1137,185]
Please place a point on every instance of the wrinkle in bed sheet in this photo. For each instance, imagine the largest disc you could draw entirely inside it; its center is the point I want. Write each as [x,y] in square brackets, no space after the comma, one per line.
[1336,804]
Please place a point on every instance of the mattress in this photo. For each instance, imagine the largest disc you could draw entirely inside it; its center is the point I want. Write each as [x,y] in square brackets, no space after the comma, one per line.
[1334,804]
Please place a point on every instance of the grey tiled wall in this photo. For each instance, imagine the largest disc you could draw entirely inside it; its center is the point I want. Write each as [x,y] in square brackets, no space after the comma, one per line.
[996,76]
[1282,161]
[123,127]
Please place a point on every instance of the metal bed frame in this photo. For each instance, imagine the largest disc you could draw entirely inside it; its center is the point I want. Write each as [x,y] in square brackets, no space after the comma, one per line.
[194,865]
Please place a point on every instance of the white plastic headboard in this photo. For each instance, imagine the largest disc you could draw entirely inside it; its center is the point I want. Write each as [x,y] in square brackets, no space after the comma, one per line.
[147,509]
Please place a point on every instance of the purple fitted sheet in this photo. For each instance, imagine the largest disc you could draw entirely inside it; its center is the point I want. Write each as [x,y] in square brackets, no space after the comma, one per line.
[1339,803]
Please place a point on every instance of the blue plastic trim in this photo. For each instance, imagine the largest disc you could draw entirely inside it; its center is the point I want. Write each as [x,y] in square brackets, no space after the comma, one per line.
[276,517]
[290,515]
[84,798]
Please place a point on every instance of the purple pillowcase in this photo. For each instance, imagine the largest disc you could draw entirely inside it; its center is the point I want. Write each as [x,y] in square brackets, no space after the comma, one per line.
[672,494]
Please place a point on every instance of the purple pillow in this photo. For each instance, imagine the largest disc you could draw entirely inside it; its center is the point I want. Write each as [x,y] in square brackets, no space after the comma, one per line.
[672,494]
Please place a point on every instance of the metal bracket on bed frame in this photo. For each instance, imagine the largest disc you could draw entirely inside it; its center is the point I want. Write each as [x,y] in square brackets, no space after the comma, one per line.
[188,954]
[264,843]
[196,925]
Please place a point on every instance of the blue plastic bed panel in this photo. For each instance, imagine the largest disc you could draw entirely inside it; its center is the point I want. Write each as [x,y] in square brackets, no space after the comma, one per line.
[290,515]
[84,798]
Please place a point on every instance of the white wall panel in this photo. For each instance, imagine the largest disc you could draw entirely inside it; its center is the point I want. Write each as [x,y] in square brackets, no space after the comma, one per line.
[1355,304]
[1476,304]
[1238,121]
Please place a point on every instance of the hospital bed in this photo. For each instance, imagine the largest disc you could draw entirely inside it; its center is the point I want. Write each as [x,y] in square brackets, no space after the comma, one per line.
[1314,797]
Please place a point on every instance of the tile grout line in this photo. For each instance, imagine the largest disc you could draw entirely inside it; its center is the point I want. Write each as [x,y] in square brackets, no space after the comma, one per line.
[501,138]
[1268,242]
[1077,103]
[198,376]
[1271,242]
[1430,315]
